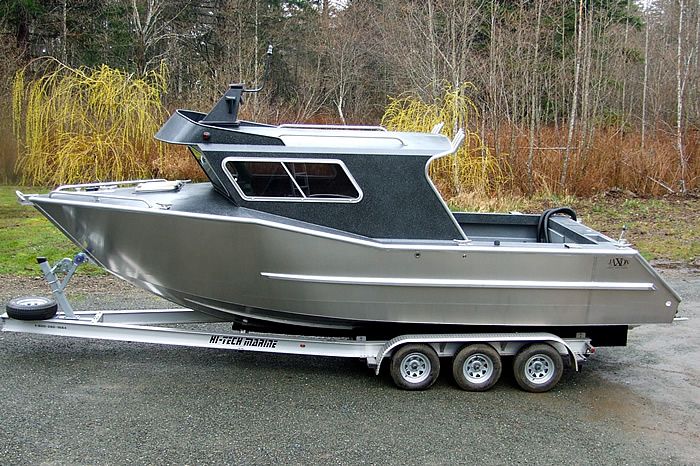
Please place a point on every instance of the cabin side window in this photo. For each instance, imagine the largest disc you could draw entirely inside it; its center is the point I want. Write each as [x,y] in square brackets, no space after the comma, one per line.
[292,180]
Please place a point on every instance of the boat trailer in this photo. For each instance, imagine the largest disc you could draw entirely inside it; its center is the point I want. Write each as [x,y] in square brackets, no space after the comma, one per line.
[414,359]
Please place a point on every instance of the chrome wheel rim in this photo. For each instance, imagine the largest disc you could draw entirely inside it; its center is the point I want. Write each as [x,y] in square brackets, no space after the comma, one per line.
[477,368]
[539,369]
[32,301]
[415,367]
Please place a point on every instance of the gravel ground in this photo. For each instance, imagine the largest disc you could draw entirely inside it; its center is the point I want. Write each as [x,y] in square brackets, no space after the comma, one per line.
[70,401]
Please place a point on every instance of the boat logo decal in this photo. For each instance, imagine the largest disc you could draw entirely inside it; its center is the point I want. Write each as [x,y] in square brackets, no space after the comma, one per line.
[618,263]
[228,340]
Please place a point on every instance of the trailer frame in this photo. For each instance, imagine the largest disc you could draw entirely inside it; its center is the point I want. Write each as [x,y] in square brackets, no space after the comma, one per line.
[139,325]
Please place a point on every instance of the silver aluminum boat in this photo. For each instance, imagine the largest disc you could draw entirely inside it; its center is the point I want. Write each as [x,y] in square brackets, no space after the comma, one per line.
[317,229]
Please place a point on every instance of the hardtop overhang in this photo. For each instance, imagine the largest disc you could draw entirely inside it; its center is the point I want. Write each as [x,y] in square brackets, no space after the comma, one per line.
[189,128]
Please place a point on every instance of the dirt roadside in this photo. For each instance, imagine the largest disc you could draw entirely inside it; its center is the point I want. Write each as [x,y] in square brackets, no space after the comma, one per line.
[655,379]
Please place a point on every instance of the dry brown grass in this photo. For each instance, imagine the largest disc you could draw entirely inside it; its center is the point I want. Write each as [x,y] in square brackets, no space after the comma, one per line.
[613,160]
[486,173]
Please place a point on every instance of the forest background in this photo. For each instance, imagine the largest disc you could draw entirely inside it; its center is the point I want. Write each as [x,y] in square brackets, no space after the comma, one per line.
[570,96]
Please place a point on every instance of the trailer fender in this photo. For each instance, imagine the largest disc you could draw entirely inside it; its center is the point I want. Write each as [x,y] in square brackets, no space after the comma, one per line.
[439,343]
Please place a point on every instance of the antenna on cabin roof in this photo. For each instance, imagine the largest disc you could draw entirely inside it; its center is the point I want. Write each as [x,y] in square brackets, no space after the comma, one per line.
[266,73]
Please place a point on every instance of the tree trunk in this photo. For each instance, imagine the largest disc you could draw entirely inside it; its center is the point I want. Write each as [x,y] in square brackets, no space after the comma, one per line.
[433,51]
[574,101]
[645,83]
[623,118]
[64,32]
[584,118]
[22,34]
[534,94]
[255,59]
[679,97]
[492,83]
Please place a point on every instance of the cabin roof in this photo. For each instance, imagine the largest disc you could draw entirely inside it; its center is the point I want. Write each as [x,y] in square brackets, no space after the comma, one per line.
[187,127]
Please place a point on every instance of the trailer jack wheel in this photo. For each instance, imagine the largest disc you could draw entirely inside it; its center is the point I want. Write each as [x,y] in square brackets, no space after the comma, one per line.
[31,308]
[538,368]
[415,367]
[476,367]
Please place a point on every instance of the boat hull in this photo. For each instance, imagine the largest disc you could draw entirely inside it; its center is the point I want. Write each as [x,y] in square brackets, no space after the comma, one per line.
[256,269]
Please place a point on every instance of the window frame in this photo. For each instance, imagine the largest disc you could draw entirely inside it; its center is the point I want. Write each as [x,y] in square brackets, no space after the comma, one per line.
[303,198]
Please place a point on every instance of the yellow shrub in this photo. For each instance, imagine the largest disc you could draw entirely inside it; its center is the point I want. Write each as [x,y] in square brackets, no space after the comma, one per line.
[87,124]
[472,168]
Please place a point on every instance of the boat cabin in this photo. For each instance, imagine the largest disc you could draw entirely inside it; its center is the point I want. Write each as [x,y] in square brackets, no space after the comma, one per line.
[362,180]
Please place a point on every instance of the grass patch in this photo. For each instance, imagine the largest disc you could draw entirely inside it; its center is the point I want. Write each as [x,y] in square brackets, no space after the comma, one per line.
[666,228]
[25,234]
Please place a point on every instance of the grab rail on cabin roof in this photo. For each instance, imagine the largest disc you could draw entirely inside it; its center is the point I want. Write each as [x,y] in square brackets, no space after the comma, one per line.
[437,128]
[344,136]
[313,126]
[457,140]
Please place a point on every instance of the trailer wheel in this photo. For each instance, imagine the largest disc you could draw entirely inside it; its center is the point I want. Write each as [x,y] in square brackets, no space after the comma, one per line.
[477,367]
[538,368]
[415,367]
[31,308]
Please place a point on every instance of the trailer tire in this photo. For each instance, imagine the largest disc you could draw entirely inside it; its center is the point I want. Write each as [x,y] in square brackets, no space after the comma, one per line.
[31,308]
[477,367]
[415,367]
[538,367]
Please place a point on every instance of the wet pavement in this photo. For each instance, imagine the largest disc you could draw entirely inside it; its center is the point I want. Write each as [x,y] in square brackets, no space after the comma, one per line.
[70,401]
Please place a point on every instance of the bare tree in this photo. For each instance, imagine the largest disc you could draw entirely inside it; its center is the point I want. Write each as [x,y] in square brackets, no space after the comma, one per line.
[534,96]
[574,100]
[154,28]
[645,82]
[681,73]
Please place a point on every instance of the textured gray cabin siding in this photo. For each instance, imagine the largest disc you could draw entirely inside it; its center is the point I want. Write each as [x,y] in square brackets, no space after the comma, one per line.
[398,201]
